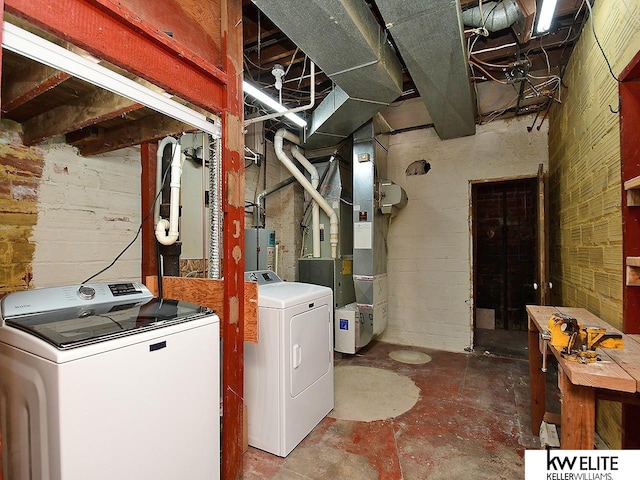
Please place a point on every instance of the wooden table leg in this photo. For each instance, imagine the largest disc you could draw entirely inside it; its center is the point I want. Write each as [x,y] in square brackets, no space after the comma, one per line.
[578,415]
[537,381]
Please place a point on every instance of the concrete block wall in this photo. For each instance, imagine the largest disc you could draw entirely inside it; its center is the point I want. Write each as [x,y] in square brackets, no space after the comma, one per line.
[20,172]
[584,162]
[429,242]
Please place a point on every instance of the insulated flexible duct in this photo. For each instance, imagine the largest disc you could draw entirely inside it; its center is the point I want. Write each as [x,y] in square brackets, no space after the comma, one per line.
[493,16]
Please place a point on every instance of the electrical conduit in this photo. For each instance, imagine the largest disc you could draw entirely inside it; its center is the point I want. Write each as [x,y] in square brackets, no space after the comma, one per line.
[170,237]
[288,163]
[315,212]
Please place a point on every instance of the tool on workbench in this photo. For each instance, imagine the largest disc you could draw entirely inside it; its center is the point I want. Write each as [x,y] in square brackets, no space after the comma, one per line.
[575,341]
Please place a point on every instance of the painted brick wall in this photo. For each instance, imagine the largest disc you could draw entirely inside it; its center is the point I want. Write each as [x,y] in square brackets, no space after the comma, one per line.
[64,217]
[88,211]
[429,243]
[584,164]
[20,172]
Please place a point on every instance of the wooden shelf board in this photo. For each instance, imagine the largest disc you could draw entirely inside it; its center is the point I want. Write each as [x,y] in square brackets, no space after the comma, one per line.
[632,183]
[633,261]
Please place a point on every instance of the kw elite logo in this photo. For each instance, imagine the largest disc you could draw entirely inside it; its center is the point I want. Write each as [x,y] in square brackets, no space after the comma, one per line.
[581,467]
[581,464]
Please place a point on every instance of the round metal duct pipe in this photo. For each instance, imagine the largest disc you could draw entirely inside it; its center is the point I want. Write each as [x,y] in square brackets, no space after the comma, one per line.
[495,15]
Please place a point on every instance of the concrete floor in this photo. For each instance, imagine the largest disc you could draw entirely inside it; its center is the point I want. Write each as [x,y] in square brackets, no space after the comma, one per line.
[471,420]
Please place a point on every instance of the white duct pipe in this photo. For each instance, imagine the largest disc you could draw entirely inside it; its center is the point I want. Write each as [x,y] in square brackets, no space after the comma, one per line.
[170,237]
[287,162]
[315,212]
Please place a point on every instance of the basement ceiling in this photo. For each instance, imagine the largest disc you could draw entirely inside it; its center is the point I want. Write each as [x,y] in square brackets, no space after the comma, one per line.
[511,71]
[508,74]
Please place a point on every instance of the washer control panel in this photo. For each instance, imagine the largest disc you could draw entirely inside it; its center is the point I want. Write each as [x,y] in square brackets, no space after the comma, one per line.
[263,277]
[87,295]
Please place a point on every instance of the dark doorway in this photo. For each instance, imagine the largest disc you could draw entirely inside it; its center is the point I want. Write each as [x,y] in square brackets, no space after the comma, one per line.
[505,261]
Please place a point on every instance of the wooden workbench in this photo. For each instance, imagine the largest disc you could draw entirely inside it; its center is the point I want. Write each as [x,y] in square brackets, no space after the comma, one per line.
[616,376]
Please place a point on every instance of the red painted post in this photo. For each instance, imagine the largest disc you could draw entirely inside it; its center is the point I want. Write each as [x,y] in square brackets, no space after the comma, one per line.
[148,188]
[233,200]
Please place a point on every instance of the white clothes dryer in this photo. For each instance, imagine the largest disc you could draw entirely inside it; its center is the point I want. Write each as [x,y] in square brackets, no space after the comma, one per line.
[288,374]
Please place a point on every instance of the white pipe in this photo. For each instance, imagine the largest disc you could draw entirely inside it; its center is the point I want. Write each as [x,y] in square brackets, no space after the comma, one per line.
[170,237]
[315,180]
[287,162]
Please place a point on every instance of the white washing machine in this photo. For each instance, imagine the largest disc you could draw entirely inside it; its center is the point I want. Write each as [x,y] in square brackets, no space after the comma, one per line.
[104,381]
[288,374]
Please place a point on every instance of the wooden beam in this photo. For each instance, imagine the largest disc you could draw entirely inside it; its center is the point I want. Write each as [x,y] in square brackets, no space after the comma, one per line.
[146,129]
[233,252]
[148,189]
[113,33]
[209,292]
[24,84]
[99,106]
[577,429]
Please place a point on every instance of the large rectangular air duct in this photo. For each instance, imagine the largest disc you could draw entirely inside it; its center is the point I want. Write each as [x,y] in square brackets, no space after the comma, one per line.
[429,37]
[343,38]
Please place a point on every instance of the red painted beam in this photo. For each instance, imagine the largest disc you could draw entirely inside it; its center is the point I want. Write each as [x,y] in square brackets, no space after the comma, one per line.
[113,33]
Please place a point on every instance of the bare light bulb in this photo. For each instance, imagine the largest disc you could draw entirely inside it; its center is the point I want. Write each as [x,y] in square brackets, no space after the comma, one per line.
[278,72]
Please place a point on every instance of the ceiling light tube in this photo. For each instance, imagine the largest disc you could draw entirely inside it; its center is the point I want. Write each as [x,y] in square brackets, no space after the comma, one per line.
[272,103]
[546,15]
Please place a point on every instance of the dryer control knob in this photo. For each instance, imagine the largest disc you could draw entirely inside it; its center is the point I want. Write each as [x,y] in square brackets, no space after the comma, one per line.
[86,293]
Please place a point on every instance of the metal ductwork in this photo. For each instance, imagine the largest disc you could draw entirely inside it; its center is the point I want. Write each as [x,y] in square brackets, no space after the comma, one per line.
[344,39]
[493,16]
[429,36]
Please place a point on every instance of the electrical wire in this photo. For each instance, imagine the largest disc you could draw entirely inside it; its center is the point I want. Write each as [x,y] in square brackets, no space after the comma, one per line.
[293,57]
[593,27]
[255,65]
[151,210]
[488,74]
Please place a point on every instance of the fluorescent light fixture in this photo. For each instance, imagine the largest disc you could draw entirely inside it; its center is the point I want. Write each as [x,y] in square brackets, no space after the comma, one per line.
[546,15]
[271,103]
[36,48]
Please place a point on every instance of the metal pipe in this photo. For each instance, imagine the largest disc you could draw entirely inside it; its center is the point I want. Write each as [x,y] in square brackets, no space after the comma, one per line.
[257,212]
[493,16]
[215,193]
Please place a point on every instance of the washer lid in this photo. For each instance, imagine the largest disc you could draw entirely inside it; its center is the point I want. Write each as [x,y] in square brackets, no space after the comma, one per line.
[287,294]
[78,326]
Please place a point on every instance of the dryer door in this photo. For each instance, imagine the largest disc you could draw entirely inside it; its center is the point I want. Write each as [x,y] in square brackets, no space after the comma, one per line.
[310,348]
